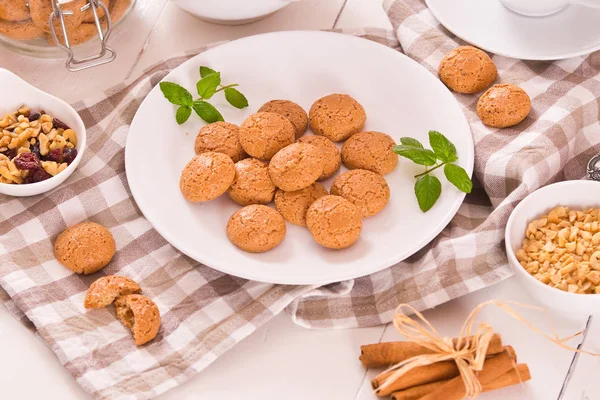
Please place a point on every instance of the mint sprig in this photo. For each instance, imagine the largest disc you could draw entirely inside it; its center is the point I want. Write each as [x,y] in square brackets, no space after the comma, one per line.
[428,188]
[208,85]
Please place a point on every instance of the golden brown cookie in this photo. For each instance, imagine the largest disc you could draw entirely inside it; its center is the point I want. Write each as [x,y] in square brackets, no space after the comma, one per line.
[293,205]
[22,30]
[334,222]
[41,10]
[291,111]
[105,290]
[256,228]
[252,184]
[140,314]
[88,15]
[85,248]
[118,8]
[371,151]
[264,134]
[467,69]
[78,34]
[296,166]
[503,105]
[332,160]
[14,10]
[368,191]
[337,117]
[221,137]
[206,177]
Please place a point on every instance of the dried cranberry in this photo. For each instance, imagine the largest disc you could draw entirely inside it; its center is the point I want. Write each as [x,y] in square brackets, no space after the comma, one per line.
[58,124]
[37,175]
[27,162]
[69,155]
[10,153]
[34,117]
[55,155]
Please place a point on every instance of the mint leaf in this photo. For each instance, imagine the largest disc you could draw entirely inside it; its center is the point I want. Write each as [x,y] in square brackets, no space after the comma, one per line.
[458,177]
[207,112]
[417,155]
[236,98]
[207,86]
[176,94]
[183,113]
[442,147]
[427,190]
[206,71]
[408,141]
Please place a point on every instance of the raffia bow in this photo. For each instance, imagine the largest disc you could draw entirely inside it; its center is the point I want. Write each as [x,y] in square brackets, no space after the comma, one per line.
[468,351]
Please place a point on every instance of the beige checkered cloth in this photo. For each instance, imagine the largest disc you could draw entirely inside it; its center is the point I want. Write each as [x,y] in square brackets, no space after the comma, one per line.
[204,312]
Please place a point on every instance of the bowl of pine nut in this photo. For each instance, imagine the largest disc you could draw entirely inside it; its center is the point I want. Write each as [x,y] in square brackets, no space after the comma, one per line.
[42,138]
[553,244]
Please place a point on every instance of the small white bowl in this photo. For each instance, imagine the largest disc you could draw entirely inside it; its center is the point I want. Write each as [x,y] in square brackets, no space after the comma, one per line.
[577,195]
[231,12]
[14,93]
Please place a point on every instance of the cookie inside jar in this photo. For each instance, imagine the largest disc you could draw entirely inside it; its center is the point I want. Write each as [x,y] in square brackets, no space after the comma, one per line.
[25,27]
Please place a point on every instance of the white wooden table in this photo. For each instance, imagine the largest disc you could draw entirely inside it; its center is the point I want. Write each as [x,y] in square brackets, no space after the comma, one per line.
[280,360]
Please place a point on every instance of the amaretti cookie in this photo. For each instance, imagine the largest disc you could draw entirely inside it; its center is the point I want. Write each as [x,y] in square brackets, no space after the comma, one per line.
[21,30]
[220,137]
[292,111]
[502,106]
[85,248]
[252,183]
[334,222]
[263,134]
[256,228]
[206,177]
[368,191]
[371,151]
[337,117]
[296,166]
[103,292]
[140,315]
[14,10]
[467,69]
[332,160]
[41,9]
[293,205]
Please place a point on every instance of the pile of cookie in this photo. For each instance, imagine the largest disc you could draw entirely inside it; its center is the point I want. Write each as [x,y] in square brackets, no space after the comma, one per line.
[29,19]
[268,158]
[469,70]
[88,247]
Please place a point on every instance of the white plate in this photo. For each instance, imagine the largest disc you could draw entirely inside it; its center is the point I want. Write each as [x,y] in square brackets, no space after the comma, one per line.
[400,97]
[231,12]
[489,25]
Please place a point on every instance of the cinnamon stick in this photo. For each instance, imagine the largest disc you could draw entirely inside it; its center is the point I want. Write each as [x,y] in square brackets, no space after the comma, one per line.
[518,375]
[493,368]
[386,354]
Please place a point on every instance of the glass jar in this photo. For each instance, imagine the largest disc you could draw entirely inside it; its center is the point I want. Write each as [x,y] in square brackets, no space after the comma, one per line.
[32,36]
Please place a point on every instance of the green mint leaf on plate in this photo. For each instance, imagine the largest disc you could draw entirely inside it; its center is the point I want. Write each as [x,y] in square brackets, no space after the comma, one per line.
[206,71]
[427,190]
[442,147]
[458,177]
[183,113]
[176,94]
[408,141]
[236,98]
[207,86]
[207,112]
[417,155]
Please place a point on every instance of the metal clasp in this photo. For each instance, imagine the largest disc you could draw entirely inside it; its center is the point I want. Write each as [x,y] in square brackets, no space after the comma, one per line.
[593,168]
[106,54]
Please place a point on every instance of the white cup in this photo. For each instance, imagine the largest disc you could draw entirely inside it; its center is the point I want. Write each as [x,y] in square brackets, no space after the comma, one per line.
[542,8]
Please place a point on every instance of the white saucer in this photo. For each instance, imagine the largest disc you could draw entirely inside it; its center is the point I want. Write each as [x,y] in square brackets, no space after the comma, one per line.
[490,26]
[231,12]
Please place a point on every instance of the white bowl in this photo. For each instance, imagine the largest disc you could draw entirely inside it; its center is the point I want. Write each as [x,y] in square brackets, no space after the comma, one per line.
[231,12]
[15,93]
[576,195]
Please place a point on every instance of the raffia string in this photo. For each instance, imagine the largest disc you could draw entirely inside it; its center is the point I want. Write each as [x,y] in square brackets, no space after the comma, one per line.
[469,354]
